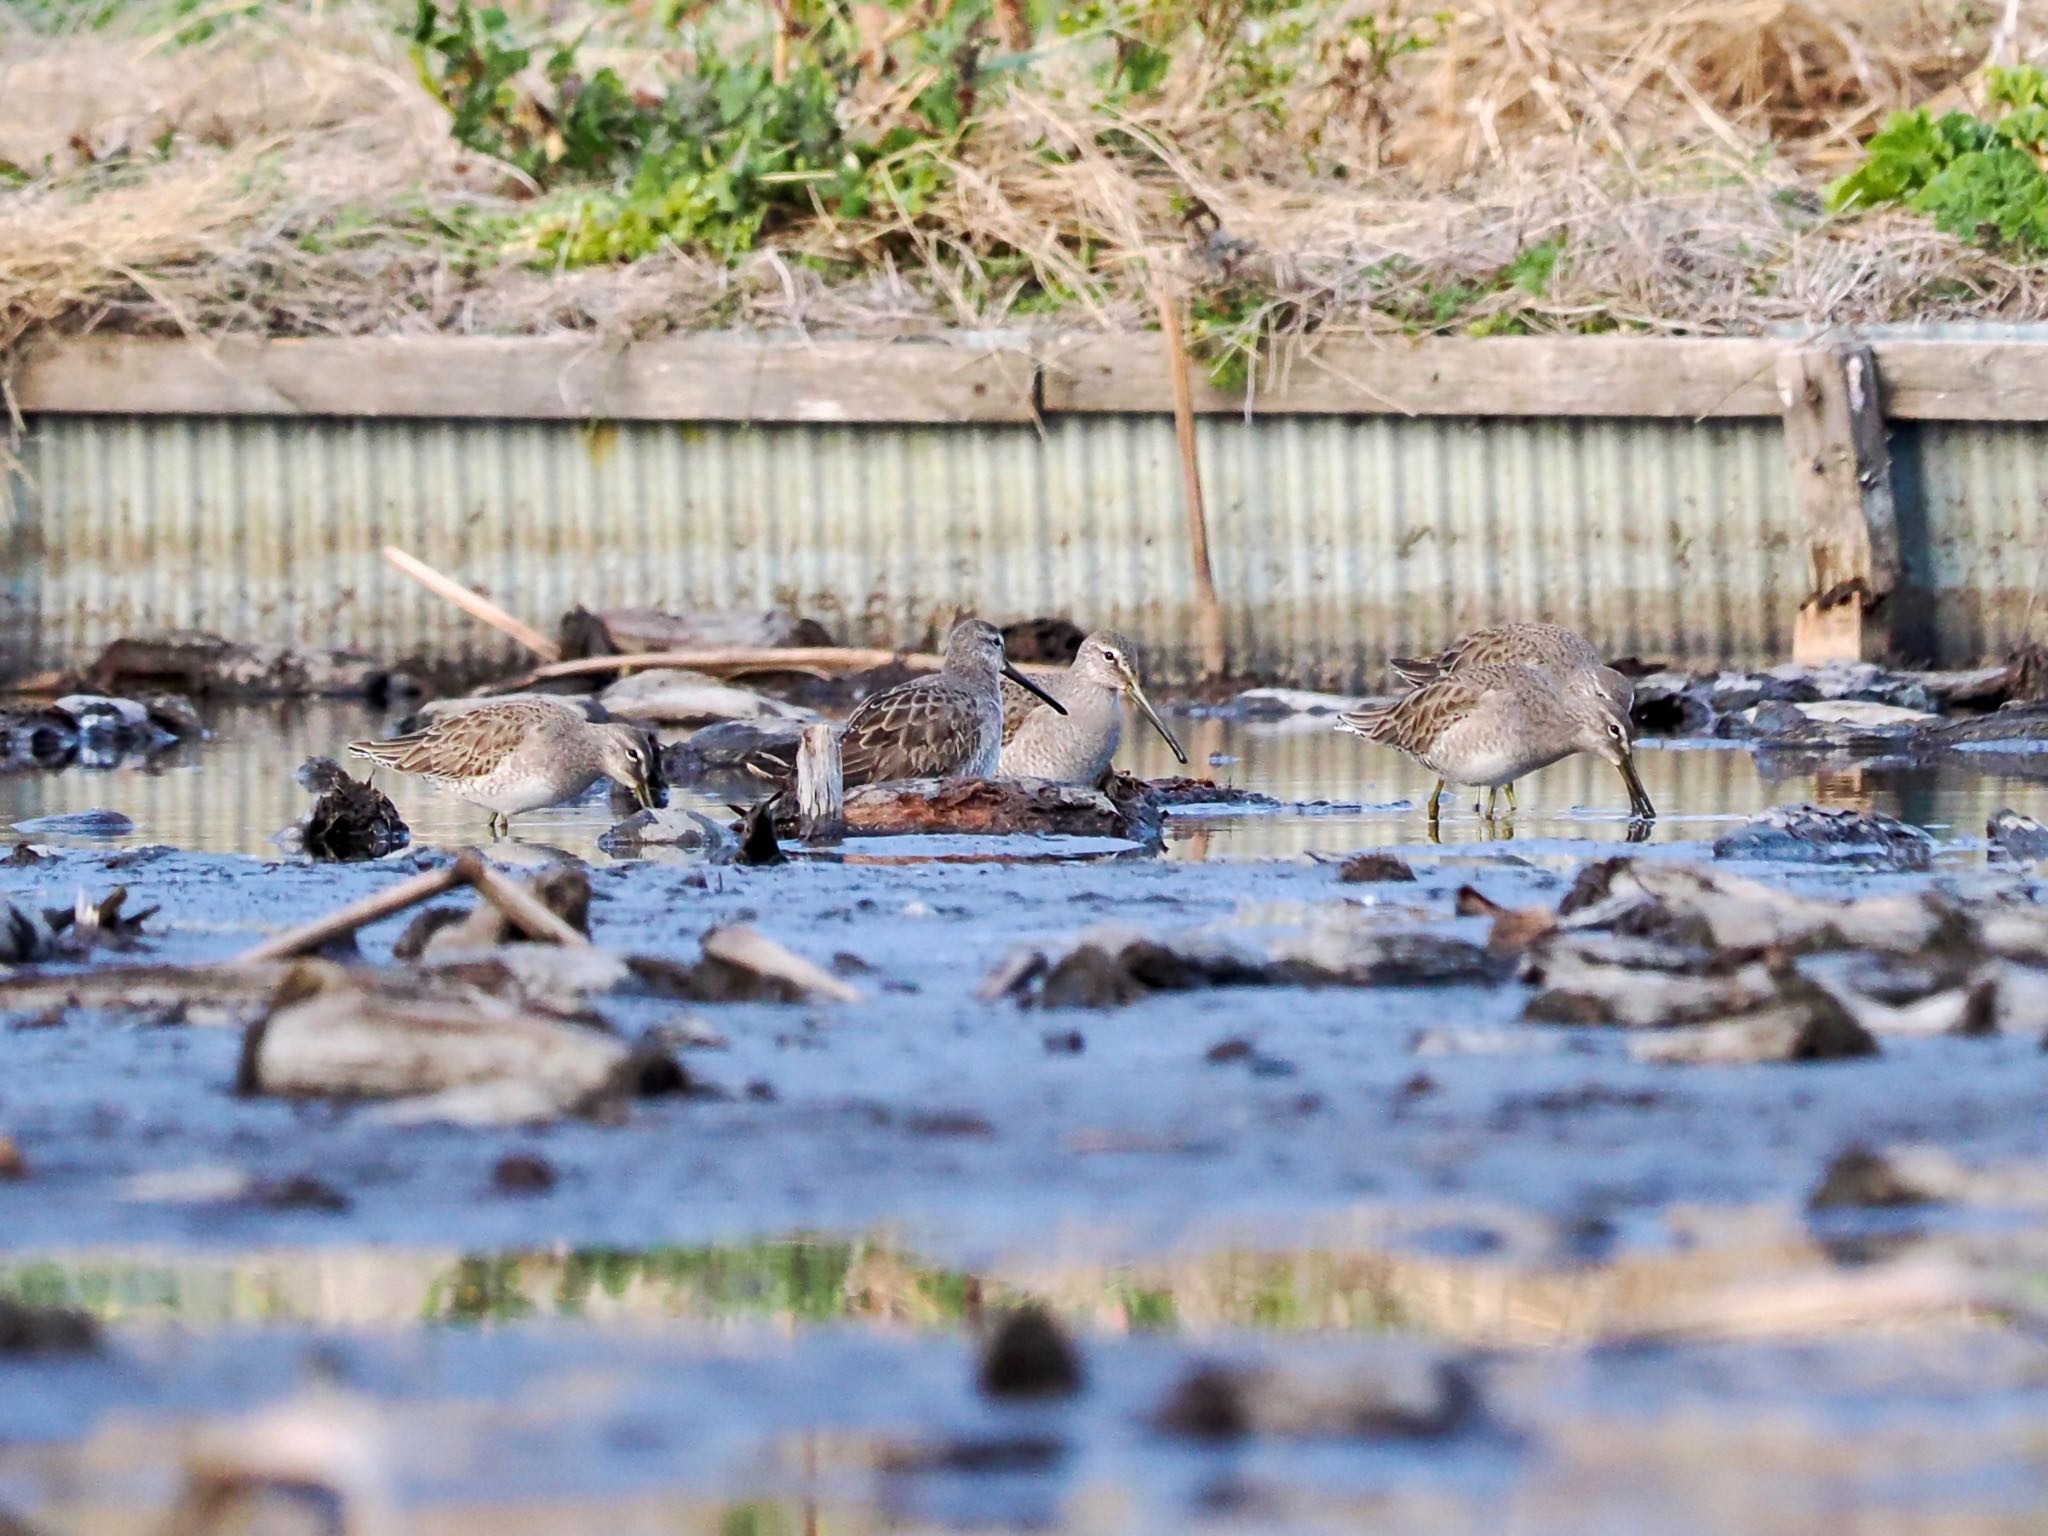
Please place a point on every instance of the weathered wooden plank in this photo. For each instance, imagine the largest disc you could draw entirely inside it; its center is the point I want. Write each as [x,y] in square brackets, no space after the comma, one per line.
[1841,477]
[680,378]
[1964,380]
[731,378]
[1442,376]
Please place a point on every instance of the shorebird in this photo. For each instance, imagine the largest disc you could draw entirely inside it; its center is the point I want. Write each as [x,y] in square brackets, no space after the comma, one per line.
[1567,657]
[1489,723]
[945,725]
[515,755]
[1077,747]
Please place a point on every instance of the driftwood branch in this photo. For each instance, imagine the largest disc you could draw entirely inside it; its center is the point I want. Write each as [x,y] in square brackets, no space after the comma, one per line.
[309,936]
[474,604]
[521,907]
[524,910]
[726,659]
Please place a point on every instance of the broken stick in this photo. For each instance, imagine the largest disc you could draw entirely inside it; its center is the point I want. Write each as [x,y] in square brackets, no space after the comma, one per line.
[524,910]
[475,604]
[820,786]
[727,659]
[751,950]
[360,914]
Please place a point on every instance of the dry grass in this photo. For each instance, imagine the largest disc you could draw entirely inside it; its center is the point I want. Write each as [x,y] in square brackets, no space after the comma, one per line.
[292,175]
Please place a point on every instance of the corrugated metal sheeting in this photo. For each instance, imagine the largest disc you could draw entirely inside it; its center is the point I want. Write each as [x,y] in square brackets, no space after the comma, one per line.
[1336,541]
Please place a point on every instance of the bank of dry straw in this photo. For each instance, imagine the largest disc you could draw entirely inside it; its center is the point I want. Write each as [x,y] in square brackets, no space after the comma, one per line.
[291,174]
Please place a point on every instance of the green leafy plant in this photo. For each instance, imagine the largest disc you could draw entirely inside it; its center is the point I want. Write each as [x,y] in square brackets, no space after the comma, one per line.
[1977,177]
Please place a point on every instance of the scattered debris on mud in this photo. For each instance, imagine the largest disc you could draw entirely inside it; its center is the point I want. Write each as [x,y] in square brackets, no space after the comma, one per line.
[1810,834]
[351,819]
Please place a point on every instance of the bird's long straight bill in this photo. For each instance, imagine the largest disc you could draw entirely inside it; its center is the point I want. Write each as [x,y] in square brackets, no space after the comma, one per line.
[1030,687]
[1145,708]
[1638,798]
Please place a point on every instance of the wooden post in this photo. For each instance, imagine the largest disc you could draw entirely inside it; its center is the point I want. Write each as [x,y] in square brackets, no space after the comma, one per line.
[1208,612]
[820,786]
[1841,475]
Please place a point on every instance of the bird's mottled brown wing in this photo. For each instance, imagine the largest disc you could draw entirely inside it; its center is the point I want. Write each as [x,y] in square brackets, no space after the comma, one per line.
[460,746]
[1417,719]
[1017,706]
[920,729]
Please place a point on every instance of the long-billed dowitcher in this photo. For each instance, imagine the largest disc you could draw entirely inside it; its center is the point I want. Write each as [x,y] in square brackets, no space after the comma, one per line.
[945,725]
[1565,656]
[1077,747]
[1490,723]
[517,755]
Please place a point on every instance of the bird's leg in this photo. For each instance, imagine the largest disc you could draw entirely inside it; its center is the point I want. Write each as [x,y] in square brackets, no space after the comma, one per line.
[1492,800]
[1435,795]
[499,824]
[1511,799]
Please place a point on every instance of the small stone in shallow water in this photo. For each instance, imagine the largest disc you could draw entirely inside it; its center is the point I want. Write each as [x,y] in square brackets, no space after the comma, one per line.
[1811,834]
[1860,1178]
[13,1165]
[1369,868]
[1030,1355]
[93,823]
[27,1330]
[2016,837]
[523,1173]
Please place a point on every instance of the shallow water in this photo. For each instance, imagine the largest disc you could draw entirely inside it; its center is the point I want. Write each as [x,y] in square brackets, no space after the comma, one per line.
[233,793]
[753,1314]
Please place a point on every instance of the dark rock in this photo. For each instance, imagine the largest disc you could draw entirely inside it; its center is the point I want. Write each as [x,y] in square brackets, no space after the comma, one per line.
[93,823]
[1399,1391]
[25,856]
[1809,834]
[1860,1178]
[300,1192]
[2016,837]
[27,1330]
[758,847]
[983,1455]
[1029,1355]
[1052,642]
[949,1123]
[761,1091]
[25,936]
[175,715]
[1371,868]
[13,1166]
[523,1173]
[1068,1042]
[721,753]
[2020,727]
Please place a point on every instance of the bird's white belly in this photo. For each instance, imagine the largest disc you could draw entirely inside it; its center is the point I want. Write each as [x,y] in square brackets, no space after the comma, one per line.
[515,794]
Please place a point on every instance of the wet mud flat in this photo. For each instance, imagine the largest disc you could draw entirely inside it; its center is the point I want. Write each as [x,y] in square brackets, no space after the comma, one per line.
[1365,1199]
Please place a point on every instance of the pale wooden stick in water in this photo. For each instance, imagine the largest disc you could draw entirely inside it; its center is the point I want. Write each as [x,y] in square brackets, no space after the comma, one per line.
[522,908]
[1208,612]
[474,604]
